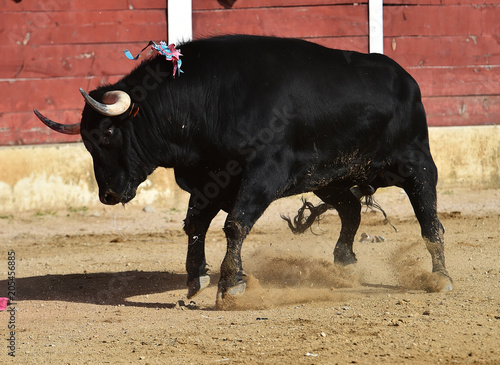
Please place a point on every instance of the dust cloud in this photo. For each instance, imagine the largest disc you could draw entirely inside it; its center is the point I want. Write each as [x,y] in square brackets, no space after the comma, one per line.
[277,279]
[408,265]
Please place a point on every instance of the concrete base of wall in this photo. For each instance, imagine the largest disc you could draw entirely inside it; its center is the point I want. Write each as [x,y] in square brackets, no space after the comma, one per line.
[61,176]
[467,156]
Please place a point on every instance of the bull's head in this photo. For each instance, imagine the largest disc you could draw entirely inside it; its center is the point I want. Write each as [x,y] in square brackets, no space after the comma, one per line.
[107,133]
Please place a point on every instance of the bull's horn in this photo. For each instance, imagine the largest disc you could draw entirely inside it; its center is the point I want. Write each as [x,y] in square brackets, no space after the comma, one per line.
[120,99]
[61,128]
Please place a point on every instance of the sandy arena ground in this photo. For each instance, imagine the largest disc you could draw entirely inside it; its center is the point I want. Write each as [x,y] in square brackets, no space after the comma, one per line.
[106,285]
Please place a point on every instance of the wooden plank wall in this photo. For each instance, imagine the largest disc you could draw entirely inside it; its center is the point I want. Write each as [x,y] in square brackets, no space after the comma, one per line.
[49,49]
[451,47]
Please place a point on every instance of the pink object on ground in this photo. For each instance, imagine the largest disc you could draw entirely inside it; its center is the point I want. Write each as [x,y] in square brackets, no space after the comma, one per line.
[3,303]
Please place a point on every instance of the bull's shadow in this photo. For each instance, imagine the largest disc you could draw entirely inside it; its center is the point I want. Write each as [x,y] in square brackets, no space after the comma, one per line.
[99,288]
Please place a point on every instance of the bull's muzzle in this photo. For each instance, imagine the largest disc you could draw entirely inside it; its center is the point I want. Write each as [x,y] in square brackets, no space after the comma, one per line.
[109,197]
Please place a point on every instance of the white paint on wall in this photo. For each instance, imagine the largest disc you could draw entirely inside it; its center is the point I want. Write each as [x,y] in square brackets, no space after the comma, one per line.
[376,24]
[180,21]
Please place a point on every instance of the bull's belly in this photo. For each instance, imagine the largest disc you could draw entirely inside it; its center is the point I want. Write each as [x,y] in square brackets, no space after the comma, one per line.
[336,177]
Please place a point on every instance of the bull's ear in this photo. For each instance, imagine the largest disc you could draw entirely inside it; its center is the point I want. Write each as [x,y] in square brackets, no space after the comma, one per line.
[61,128]
[134,110]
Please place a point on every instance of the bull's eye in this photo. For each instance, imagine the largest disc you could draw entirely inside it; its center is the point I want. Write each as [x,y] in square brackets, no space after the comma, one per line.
[108,132]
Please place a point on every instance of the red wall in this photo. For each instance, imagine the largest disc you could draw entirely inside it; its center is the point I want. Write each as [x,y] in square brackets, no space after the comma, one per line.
[48,49]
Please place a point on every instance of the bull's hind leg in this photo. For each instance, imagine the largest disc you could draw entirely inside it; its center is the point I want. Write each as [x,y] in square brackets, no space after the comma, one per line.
[349,208]
[420,186]
[196,225]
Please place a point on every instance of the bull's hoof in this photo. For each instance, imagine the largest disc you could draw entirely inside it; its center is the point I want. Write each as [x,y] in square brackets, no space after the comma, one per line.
[434,282]
[344,256]
[345,260]
[446,284]
[197,285]
[226,295]
[448,287]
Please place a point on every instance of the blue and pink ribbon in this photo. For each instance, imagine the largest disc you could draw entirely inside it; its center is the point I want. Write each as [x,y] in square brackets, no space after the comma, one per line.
[170,53]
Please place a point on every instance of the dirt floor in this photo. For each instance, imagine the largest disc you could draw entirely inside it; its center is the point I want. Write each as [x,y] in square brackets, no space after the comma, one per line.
[107,285]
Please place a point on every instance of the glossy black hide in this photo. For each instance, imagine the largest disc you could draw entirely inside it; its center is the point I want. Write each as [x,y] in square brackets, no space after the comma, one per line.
[253,119]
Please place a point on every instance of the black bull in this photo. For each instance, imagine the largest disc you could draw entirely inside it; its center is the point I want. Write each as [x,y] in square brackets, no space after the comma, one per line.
[254,119]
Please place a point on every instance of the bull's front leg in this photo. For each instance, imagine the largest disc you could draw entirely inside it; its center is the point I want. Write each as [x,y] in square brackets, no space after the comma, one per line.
[249,207]
[232,281]
[196,224]
[257,191]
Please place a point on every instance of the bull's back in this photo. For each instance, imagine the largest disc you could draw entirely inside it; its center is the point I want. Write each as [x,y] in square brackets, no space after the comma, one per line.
[321,101]
[322,85]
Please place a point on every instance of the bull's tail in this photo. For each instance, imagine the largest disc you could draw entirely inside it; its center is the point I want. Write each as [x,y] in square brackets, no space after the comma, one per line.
[301,222]
[371,203]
